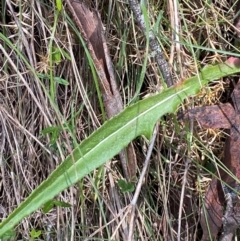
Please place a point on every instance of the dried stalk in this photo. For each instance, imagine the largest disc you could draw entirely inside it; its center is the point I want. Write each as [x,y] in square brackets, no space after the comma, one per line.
[90,26]
[156,49]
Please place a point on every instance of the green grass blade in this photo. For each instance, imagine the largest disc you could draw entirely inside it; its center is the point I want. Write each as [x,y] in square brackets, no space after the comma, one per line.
[114,135]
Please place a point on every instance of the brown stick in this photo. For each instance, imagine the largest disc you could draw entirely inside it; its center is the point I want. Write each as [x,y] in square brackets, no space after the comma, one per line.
[90,26]
[156,49]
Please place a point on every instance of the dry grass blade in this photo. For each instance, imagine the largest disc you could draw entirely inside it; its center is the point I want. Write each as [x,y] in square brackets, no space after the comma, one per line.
[140,183]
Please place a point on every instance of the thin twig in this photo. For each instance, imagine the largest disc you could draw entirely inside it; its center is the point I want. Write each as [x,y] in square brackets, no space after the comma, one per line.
[156,49]
[182,198]
[176,36]
[141,178]
[231,218]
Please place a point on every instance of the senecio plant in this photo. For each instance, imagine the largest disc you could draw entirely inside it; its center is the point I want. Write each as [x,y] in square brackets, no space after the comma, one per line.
[136,120]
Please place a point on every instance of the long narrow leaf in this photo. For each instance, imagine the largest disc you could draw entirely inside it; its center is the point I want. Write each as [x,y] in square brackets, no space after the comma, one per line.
[114,135]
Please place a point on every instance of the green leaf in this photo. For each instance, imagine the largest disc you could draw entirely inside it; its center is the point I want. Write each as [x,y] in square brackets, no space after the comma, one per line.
[50,130]
[35,234]
[59,5]
[56,79]
[56,55]
[113,136]
[8,235]
[209,165]
[53,131]
[61,204]
[61,81]
[125,186]
[65,54]
[50,205]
